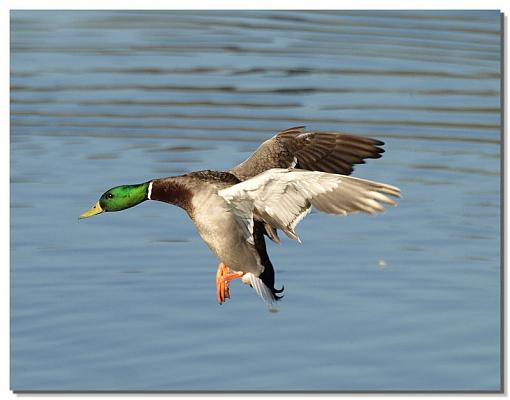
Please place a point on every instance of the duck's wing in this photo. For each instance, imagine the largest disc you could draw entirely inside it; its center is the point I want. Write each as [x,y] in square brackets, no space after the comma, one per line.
[282,198]
[315,151]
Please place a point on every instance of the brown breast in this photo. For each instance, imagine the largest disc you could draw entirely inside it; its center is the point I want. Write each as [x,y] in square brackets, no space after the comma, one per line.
[173,191]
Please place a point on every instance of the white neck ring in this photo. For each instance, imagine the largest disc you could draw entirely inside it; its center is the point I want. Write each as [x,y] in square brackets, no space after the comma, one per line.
[149,191]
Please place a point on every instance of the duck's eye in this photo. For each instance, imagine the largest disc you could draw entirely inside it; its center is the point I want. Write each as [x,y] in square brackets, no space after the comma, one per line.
[109,195]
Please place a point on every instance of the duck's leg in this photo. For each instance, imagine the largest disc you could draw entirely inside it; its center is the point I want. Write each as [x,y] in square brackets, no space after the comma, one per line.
[221,286]
[223,277]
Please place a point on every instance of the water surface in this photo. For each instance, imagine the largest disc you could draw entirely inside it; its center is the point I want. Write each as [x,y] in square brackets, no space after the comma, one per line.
[407,300]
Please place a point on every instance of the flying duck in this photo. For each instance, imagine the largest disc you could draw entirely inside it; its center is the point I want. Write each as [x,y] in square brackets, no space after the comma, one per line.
[275,188]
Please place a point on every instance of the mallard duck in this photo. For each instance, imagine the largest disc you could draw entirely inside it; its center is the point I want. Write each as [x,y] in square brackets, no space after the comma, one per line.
[275,188]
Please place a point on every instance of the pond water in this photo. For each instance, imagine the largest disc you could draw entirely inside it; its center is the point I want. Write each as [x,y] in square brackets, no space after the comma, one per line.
[406,300]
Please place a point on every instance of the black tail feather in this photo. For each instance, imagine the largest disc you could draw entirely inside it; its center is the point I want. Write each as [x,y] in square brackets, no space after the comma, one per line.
[268,275]
[278,290]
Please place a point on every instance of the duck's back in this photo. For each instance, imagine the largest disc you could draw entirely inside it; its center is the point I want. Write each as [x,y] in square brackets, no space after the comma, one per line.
[184,190]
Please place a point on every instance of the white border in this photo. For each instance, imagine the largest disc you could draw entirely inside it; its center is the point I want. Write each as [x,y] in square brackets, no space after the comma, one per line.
[259,4]
[6,6]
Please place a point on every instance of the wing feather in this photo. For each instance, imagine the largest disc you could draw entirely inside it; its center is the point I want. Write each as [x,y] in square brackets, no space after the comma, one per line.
[282,198]
[315,151]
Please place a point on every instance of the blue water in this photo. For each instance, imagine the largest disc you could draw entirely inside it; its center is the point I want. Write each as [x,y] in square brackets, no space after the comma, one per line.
[407,300]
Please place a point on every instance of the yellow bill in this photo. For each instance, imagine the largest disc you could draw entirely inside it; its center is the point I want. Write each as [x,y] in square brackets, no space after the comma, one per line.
[93,211]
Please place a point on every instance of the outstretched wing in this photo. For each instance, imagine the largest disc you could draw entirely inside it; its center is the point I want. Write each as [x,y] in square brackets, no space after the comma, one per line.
[282,198]
[314,151]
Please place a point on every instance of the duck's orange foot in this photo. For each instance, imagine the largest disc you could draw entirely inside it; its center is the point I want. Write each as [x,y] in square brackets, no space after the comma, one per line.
[223,277]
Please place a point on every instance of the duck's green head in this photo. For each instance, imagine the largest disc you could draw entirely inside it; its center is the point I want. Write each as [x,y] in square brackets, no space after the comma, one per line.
[119,198]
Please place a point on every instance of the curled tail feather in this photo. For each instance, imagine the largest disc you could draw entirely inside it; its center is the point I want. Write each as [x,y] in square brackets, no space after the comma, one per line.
[263,291]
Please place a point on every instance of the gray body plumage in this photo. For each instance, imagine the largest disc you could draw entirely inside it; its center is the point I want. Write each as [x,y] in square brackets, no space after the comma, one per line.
[220,230]
[197,194]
